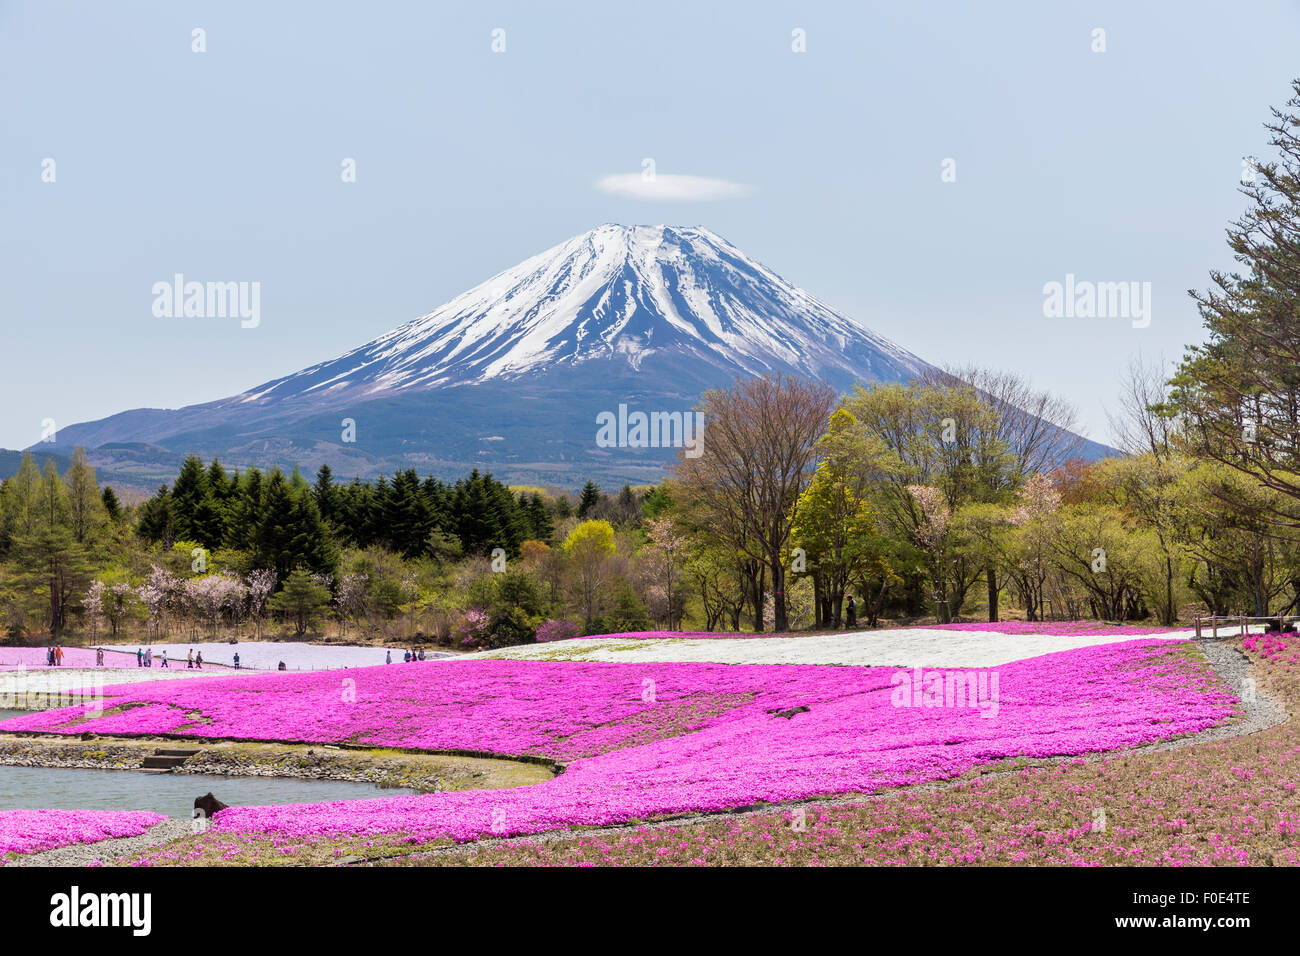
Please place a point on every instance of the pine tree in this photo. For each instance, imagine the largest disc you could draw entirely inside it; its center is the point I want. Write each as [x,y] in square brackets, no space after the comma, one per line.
[589,498]
[273,533]
[112,506]
[157,520]
[18,496]
[313,541]
[540,525]
[326,495]
[406,515]
[50,559]
[84,503]
[245,512]
[1238,394]
[301,599]
[290,533]
[188,494]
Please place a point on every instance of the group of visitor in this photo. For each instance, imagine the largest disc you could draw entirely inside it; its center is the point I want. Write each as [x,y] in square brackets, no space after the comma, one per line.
[410,654]
[143,658]
[193,662]
[54,656]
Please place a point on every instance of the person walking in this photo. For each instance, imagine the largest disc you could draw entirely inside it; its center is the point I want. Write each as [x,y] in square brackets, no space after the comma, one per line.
[139,657]
[164,659]
[236,660]
[49,656]
[388,657]
[99,657]
[148,657]
[58,656]
[406,657]
[422,653]
[190,660]
[851,614]
[198,661]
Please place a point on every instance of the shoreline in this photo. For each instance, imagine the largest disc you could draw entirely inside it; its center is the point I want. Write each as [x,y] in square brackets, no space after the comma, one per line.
[423,771]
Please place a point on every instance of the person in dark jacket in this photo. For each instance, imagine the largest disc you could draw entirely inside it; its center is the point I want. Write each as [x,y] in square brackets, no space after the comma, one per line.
[851,613]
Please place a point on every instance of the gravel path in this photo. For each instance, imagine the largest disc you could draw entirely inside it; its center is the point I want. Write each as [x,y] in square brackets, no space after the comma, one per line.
[88,854]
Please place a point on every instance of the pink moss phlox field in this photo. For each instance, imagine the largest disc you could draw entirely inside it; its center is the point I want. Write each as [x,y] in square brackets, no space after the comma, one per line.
[1272,644]
[653,739]
[30,831]
[1054,628]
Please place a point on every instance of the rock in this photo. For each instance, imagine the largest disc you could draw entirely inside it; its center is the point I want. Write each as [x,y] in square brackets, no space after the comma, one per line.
[209,804]
[789,713]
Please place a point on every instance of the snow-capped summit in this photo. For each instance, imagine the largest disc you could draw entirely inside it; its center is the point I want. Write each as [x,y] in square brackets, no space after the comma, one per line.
[513,374]
[622,293]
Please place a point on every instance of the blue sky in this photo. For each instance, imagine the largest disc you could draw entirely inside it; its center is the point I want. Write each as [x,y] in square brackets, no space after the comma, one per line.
[225,165]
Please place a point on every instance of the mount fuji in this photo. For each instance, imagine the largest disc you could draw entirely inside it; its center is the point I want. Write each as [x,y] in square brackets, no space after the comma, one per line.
[511,374]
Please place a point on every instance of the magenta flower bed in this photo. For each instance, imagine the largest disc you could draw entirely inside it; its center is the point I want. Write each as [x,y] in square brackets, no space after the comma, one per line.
[1055,628]
[652,739]
[30,831]
[1271,644]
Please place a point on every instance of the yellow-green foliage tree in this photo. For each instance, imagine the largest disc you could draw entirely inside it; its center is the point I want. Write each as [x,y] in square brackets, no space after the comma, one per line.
[590,548]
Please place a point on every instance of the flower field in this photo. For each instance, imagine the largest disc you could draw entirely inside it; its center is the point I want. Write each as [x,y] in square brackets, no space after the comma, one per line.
[642,740]
[30,831]
[1233,802]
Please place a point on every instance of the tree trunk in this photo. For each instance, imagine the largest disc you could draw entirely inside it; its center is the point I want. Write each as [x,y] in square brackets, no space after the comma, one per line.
[780,622]
[991,576]
[817,602]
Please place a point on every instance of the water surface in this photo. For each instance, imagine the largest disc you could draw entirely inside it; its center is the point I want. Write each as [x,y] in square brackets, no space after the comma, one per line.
[173,794]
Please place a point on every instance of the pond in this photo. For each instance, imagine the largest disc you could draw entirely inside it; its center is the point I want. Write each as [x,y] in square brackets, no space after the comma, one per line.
[61,788]
[6,714]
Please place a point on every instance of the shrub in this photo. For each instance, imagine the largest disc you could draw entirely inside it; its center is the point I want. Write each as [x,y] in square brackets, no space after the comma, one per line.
[556,630]
[471,628]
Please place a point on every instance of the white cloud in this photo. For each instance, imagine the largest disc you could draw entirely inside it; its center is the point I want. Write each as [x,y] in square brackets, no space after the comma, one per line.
[667,187]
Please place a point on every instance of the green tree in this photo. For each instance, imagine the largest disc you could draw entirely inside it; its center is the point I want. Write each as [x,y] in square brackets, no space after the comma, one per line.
[302,600]
[590,547]
[834,520]
[589,498]
[1238,395]
[51,562]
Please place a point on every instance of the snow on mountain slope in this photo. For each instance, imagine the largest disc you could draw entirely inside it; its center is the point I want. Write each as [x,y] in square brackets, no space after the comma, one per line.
[626,293]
